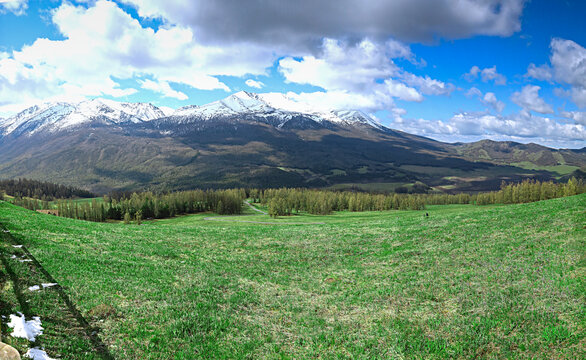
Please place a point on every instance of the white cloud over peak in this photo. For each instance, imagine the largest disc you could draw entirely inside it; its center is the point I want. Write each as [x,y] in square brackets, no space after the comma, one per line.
[528,98]
[163,88]
[361,71]
[254,84]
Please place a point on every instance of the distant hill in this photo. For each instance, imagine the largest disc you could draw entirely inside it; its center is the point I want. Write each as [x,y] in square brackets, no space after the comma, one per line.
[252,140]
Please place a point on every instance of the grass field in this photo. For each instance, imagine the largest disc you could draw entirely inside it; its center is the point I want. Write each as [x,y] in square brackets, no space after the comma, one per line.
[464,282]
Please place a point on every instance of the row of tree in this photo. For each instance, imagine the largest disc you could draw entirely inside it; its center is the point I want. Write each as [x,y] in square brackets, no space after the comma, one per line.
[530,191]
[145,205]
[283,202]
[41,190]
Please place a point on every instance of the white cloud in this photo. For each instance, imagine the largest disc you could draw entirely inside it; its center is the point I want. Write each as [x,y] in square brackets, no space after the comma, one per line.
[578,116]
[361,71]
[523,127]
[164,88]
[486,74]
[542,72]
[401,91]
[18,7]
[474,92]
[340,99]
[568,67]
[103,43]
[254,84]
[427,85]
[491,100]
[528,98]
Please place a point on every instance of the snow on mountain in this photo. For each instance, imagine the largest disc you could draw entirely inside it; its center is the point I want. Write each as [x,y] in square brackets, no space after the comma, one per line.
[274,108]
[356,116]
[269,104]
[59,116]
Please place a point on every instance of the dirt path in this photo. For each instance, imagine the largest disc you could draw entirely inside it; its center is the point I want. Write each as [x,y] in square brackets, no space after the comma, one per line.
[254,208]
[231,218]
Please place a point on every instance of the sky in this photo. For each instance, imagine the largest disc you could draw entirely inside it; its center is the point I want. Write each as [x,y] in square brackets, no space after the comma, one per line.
[451,70]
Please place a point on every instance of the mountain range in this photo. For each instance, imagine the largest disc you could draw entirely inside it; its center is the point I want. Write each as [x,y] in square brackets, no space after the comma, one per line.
[254,140]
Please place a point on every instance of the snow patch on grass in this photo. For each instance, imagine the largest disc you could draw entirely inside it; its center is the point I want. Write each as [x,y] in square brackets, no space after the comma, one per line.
[25,329]
[37,354]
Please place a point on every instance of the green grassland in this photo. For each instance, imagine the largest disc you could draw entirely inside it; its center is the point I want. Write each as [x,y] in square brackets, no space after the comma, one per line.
[464,282]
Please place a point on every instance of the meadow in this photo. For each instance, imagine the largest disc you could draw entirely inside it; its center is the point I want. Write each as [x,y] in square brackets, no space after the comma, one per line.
[464,282]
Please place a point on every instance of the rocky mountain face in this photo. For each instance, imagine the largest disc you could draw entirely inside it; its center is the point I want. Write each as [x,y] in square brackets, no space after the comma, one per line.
[252,140]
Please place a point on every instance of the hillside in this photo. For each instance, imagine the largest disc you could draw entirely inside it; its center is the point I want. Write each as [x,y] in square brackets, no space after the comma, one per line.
[464,282]
[252,140]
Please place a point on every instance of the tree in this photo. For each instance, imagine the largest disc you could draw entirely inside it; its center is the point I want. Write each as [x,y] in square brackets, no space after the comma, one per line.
[127,218]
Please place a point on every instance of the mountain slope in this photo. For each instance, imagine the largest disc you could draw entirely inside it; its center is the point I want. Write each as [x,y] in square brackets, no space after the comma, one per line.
[251,140]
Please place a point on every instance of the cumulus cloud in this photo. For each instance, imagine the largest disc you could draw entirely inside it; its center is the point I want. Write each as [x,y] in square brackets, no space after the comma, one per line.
[361,71]
[491,100]
[103,43]
[254,84]
[300,23]
[568,67]
[542,72]
[568,61]
[488,99]
[522,126]
[578,116]
[486,74]
[18,7]
[163,88]
[528,98]
[474,92]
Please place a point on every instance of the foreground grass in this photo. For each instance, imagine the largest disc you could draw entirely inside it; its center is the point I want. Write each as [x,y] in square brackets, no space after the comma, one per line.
[465,282]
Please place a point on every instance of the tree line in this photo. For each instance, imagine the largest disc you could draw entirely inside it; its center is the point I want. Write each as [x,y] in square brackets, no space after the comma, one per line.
[531,191]
[144,205]
[282,202]
[41,190]
[286,201]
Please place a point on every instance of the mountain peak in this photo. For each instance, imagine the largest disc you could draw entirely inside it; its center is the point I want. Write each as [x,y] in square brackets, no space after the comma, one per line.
[274,108]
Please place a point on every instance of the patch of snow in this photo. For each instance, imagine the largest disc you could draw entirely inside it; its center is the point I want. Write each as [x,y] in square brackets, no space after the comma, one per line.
[6,231]
[57,116]
[25,329]
[167,110]
[24,260]
[34,288]
[13,257]
[46,285]
[17,246]
[37,354]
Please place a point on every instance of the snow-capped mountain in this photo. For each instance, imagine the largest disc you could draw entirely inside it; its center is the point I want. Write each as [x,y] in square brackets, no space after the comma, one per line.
[57,116]
[275,109]
[276,106]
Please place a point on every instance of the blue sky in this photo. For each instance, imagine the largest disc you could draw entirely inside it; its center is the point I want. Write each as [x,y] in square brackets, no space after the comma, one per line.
[453,70]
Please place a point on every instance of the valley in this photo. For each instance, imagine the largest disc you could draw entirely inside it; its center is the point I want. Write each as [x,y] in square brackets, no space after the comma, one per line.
[254,140]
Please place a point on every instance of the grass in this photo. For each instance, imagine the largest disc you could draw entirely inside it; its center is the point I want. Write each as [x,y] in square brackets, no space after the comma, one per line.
[561,169]
[465,282]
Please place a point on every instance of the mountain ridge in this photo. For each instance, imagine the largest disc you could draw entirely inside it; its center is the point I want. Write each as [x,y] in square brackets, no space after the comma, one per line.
[253,140]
